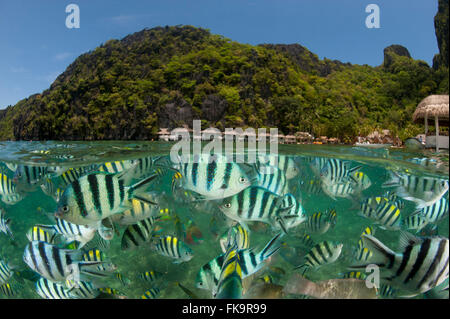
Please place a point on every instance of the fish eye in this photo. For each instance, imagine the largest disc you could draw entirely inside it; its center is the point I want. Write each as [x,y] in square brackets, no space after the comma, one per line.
[242,179]
[65,209]
[227,205]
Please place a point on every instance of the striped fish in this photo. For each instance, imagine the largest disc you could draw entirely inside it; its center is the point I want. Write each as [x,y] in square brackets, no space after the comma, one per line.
[230,280]
[306,241]
[139,210]
[387,215]
[285,163]
[362,180]
[393,198]
[363,253]
[95,197]
[341,190]
[320,223]
[311,186]
[54,263]
[51,290]
[7,290]
[354,275]
[367,206]
[152,293]
[424,191]
[116,166]
[122,279]
[435,212]
[212,177]
[421,266]
[74,173]
[274,180]
[112,291]
[337,171]
[150,276]
[414,222]
[256,204]
[84,290]
[5,224]
[296,210]
[31,175]
[145,166]
[387,291]
[171,246]
[70,231]
[209,275]
[8,191]
[37,233]
[240,234]
[323,253]
[48,188]
[138,234]
[5,272]
[317,164]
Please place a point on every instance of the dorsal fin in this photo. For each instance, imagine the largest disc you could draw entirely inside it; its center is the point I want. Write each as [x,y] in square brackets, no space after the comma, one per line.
[408,239]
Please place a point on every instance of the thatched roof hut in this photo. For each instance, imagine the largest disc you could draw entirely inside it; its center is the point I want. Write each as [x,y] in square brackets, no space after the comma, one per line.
[434,107]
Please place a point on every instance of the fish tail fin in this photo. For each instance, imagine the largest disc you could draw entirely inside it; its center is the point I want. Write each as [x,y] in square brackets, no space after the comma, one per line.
[136,188]
[381,254]
[90,268]
[271,248]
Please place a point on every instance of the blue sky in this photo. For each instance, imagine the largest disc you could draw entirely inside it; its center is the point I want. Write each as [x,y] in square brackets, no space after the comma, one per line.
[36,46]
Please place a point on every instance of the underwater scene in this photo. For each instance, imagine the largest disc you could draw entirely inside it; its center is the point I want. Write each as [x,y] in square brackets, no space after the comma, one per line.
[84,220]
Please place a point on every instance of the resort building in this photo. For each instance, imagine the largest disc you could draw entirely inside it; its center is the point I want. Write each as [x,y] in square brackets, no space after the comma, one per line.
[434,108]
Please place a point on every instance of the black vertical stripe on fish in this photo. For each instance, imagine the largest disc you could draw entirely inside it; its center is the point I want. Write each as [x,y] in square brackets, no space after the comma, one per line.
[444,268]
[321,253]
[194,173]
[131,237]
[405,259]
[121,190]
[33,256]
[211,171]
[93,185]
[138,230]
[253,200]
[110,190]
[70,227]
[424,248]
[27,173]
[264,202]
[240,200]
[434,264]
[57,258]
[178,249]
[313,256]
[43,255]
[272,207]
[79,198]
[227,175]
[48,289]
[68,259]
[328,248]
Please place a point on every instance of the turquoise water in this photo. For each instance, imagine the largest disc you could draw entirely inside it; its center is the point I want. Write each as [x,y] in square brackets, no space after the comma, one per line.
[376,164]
